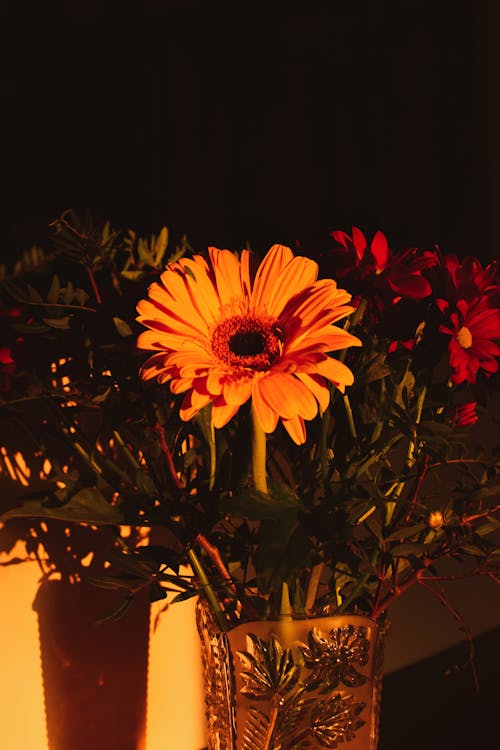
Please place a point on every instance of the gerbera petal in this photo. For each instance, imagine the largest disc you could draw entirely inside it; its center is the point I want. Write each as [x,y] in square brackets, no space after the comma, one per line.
[299,274]
[192,403]
[266,416]
[296,429]
[222,413]
[152,366]
[227,274]
[267,274]
[330,340]
[288,396]
[335,371]
[237,390]
[318,388]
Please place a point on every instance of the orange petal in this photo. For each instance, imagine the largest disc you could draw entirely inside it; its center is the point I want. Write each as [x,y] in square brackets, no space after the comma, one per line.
[267,274]
[288,396]
[299,274]
[266,416]
[222,413]
[329,340]
[318,388]
[296,429]
[152,366]
[336,371]
[192,404]
[227,274]
[246,272]
[237,390]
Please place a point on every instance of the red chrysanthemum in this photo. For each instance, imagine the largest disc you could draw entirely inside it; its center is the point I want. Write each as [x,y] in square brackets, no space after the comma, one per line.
[224,335]
[467,279]
[400,273]
[473,329]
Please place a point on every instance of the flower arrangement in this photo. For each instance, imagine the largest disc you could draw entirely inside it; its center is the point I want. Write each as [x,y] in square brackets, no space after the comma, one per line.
[300,429]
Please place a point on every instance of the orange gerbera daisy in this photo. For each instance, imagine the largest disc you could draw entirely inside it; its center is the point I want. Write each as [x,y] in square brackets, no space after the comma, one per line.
[224,334]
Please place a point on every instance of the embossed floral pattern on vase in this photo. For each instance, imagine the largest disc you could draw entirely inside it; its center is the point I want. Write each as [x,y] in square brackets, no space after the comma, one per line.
[333,657]
[297,685]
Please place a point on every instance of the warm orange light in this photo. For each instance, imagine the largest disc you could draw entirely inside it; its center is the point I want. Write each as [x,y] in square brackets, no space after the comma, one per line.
[176,702]
[22,713]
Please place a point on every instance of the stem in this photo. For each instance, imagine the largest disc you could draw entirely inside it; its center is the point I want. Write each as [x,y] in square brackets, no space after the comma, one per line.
[213,456]
[285,607]
[207,588]
[410,459]
[258,454]
[312,589]
[94,285]
[350,417]
[214,553]
[160,431]
[323,444]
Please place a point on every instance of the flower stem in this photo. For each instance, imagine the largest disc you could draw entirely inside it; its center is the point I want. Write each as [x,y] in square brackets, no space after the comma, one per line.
[285,606]
[199,571]
[410,459]
[350,417]
[258,455]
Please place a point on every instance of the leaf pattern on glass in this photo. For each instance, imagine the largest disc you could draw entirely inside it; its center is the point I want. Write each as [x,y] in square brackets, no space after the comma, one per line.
[332,657]
[267,668]
[336,719]
[219,686]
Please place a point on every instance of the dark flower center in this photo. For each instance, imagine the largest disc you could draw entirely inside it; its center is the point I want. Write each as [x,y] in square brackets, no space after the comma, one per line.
[246,341]
[247,344]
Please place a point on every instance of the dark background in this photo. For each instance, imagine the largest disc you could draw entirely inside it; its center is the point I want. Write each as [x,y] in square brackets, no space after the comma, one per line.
[259,122]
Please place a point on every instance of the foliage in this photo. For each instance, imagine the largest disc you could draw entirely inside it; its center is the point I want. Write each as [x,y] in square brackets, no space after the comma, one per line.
[397,475]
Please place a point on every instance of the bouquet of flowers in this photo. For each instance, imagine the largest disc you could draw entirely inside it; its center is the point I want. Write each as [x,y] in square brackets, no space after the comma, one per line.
[304,431]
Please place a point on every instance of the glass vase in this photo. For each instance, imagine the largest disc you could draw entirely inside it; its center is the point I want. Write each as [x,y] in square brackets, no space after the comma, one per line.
[283,685]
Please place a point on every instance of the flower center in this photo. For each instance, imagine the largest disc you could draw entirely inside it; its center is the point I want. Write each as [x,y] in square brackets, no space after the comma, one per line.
[247,341]
[464,338]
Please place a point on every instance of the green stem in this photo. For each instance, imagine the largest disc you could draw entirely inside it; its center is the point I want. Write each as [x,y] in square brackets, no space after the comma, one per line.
[199,571]
[350,417]
[258,455]
[285,606]
[410,459]
[323,444]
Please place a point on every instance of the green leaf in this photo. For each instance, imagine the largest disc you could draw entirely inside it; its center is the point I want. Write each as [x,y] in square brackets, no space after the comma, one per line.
[255,506]
[471,549]
[61,324]
[407,550]
[34,295]
[489,526]
[101,397]
[405,533]
[88,505]
[53,293]
[122,327]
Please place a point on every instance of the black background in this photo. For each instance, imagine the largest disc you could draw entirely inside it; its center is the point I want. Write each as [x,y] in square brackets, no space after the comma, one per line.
[253,122]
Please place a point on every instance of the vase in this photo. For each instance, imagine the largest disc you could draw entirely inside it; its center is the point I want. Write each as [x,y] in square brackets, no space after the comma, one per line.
[299,684]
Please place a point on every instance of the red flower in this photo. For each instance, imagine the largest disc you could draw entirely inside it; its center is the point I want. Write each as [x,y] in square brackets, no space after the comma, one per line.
[399,273]
[464,415]
[467,279]
[473,328]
